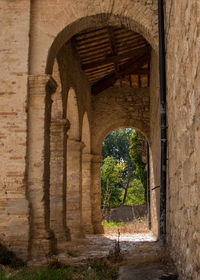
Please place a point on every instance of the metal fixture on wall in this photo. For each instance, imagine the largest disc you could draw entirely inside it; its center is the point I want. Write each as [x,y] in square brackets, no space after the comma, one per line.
[163,121]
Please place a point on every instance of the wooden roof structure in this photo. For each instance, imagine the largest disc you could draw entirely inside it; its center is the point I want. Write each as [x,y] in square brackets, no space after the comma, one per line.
[111,54]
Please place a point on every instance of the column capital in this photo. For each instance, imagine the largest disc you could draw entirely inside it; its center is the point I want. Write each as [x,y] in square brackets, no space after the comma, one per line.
[87,157]
[96,158]
[41,84]
[59,122]
[75,143]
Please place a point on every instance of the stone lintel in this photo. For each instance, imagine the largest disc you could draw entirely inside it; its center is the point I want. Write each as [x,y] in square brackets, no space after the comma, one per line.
[60,123]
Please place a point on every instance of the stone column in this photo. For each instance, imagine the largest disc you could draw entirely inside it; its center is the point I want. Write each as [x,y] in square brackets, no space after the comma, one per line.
[96,194]
[59,128]
[86,194]
[40,89]
[74,192]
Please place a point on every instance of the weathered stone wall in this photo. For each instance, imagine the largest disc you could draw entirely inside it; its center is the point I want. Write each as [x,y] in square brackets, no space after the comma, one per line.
[14,48]
[125,213]
[117,108]
[182,23]
[154,143]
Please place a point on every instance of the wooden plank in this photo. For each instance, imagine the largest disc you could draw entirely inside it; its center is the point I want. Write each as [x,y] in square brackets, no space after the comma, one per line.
[96,70]
[98,39]
[113,48]
[128,68]
[90,53]
[97,46]
[107,60]
[102,73]
[90,33]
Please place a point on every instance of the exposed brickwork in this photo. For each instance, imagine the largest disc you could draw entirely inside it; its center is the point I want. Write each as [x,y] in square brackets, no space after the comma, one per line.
[116,108]
[14,212]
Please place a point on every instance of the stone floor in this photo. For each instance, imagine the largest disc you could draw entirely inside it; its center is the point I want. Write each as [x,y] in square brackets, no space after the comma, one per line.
[153,271]
[135,247]
[141,256]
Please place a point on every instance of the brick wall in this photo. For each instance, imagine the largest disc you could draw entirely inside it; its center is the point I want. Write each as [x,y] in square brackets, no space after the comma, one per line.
[14,47]
[117,108]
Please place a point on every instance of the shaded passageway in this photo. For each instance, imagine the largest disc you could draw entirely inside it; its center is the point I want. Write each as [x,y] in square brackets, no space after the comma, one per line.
[105,83]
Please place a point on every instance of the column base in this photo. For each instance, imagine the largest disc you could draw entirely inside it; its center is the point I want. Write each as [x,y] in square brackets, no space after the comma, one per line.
[76,233]
[98,229]
[40,248]
[88,229]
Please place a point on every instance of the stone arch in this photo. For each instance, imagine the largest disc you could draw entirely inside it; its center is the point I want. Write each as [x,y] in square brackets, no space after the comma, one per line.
[63,21]
[116,126]
[119,108]
[133,22]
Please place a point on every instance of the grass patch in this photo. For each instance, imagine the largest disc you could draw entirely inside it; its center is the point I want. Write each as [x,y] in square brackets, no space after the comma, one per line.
[137,226]
[100,270]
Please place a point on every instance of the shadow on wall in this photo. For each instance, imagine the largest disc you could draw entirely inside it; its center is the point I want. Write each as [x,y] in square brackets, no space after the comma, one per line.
[125,213]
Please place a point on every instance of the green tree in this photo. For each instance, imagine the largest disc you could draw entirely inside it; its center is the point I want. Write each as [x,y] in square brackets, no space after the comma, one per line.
[136,193]
[137,151]
[116,144]
[123,175]
[111,176]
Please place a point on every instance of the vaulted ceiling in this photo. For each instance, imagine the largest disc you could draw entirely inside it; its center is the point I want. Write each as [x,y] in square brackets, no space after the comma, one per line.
[113,56]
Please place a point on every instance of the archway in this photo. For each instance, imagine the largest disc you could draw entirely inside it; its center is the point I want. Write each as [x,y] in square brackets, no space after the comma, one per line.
[124,188]
[79,99]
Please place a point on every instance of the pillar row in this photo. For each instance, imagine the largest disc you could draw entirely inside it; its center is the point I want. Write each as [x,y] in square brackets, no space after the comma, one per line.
[86,193]
[96,194]
[40,89]
[74,190]
[59,127]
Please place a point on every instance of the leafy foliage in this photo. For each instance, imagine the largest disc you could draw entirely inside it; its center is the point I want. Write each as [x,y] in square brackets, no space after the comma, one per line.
[111,176]
[116,145]
[137,150]
[136,193]
[123,171]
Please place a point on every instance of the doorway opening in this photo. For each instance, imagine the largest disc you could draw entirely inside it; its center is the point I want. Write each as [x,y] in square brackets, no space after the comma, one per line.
[124,182]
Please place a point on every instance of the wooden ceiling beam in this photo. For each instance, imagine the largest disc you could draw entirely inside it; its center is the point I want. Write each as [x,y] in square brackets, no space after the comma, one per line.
[113,46]
[112,59]
[128,68]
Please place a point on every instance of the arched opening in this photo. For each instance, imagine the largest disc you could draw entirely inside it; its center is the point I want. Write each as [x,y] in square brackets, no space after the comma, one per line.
[125,198]
[108,70]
